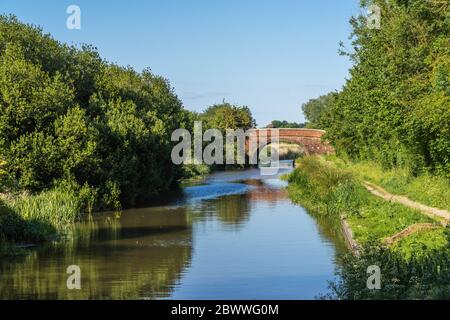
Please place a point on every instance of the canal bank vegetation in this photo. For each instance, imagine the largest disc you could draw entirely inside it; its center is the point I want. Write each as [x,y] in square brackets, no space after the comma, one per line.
[391,124]
[77,134]
[33,219]
[421,278]
[327,189]
[394,108]
[69,117]
[411,248]
[426,188]
[80,134]
[222,117]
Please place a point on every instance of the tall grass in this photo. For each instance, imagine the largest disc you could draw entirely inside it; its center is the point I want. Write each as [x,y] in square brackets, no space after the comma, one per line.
[58,207]
[323,188]
[37,218]
[425,188]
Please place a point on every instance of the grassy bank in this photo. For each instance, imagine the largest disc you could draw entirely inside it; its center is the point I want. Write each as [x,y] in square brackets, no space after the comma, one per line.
[415,265]
[33,219]
[331,189]
[425,188]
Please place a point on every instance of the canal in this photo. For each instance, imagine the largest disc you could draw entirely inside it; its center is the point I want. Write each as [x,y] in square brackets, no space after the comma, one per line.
[234,235]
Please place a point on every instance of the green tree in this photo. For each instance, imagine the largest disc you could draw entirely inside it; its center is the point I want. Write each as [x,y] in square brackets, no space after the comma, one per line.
[395,107]
[226,116]
[315,110]
[68,117]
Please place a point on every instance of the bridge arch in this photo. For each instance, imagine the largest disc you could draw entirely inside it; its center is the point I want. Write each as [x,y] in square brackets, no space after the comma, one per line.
[309,139]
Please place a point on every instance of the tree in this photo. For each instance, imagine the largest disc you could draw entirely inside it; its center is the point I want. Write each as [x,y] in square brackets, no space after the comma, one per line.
[226,116]
[67,116]
[395,107]
[315,110]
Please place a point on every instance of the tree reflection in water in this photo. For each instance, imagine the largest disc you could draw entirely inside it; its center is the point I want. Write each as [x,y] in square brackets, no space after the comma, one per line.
[140,255]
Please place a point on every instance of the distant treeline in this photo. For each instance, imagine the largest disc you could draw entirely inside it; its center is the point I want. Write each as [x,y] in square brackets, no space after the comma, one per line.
[285,124]
[395,108]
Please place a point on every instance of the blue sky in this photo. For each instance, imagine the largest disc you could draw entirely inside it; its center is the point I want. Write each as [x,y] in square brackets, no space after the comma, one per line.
[269,55]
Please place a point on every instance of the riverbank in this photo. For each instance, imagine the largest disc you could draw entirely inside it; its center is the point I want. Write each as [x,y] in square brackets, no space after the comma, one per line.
[411,248]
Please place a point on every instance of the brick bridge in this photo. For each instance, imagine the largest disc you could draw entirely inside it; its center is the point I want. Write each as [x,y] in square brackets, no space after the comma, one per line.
[309,139]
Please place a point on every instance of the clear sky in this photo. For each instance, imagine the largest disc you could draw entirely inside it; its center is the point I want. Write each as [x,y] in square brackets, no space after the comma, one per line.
[269,55]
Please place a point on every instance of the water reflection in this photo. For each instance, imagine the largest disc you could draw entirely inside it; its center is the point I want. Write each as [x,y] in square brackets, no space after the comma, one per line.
[135,256]
[233,236]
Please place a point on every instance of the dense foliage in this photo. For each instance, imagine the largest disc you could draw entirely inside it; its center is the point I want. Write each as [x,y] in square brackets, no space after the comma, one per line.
[68,117]
[227,116]
[395,108]
[3,174]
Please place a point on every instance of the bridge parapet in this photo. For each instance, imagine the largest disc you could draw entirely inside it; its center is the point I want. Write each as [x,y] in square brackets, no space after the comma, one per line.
[309,139]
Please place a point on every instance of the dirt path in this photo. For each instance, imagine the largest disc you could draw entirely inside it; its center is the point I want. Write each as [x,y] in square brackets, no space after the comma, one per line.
[442,215]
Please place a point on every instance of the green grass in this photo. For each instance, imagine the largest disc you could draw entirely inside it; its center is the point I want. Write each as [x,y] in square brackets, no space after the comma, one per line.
[378,219]
[430,190]
[416,266]
[427,241]
[331,189]
[37,218]
[57,207]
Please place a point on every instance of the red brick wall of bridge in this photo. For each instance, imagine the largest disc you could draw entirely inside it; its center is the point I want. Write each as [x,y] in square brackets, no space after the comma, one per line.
[309,139]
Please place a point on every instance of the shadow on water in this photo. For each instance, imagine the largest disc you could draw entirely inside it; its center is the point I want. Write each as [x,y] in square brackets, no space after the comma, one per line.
[235,235]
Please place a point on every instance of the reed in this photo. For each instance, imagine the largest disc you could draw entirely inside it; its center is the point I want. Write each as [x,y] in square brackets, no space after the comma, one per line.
[58,207]
[37,218]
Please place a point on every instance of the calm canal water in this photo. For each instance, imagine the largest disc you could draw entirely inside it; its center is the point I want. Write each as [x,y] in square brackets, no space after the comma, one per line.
[234,236]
